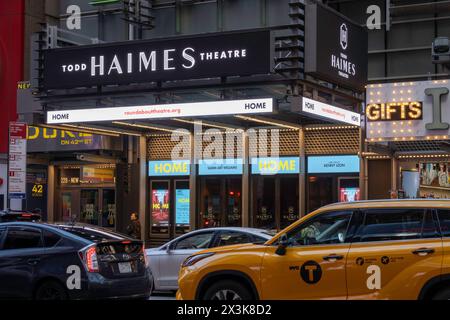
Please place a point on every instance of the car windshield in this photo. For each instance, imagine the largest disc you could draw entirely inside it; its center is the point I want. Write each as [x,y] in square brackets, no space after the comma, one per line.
[95,235]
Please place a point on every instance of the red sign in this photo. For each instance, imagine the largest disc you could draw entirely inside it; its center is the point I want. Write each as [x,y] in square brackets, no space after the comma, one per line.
[17,130]
[12,15]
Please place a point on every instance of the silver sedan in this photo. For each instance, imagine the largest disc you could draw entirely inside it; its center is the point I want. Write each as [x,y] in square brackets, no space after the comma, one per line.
[165,261]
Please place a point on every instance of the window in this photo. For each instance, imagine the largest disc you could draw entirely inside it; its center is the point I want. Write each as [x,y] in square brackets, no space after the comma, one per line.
[227,238]
[198,241]
[257,239]
[396,224]
[50,239]
[444,221]
[327,228]
[22,238]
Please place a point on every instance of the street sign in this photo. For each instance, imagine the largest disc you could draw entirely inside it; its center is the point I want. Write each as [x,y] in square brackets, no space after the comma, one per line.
[17,160]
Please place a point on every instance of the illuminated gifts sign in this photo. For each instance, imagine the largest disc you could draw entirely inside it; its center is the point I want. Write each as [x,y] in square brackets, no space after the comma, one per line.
[405,111]
[394,111]
[169,168]
[271,166]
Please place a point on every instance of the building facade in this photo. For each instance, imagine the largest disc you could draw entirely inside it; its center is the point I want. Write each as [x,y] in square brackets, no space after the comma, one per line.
[255,128]
[406,153]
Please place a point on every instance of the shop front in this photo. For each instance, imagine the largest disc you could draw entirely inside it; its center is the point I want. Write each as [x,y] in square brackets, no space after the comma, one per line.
[332,179]
[275,192]
[176,101]
[86,194]
[220,192]
[68,180]
[408,125]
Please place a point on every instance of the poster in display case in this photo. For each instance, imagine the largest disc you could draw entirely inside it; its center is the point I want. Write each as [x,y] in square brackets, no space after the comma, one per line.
[160,207]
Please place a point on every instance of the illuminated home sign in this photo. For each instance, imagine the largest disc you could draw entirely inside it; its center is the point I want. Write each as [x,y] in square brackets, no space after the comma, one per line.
[394,111]
[405,111]
[271,166]
[169,168]
[333,164]
[154,60]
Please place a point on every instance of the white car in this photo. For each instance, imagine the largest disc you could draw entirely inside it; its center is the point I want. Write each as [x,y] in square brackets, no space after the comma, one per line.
[165,261]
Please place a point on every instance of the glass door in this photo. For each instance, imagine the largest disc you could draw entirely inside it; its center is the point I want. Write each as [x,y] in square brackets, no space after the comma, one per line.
[89,206]
[320,192]
[233,198]
[264,202]
[108,208]
[289,200]
[211,203]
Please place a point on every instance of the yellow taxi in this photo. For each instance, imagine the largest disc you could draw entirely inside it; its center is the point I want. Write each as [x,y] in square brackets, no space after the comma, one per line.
[384,249]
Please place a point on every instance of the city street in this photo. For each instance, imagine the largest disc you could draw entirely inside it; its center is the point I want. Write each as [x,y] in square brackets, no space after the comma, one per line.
[230,149]
[162,296]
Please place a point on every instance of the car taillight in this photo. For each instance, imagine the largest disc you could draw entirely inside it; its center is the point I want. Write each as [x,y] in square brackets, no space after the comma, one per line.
[89,258]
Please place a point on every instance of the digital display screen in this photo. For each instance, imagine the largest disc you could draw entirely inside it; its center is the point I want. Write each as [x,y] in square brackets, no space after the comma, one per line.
[160,207]
[349,194]
[182,206]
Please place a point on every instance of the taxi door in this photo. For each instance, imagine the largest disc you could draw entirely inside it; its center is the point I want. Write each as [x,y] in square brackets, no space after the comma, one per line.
[313,264]
[393,254]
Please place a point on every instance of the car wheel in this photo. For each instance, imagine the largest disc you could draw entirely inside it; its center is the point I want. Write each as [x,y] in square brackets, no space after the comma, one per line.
[227,290]
[443,294]
[51,290]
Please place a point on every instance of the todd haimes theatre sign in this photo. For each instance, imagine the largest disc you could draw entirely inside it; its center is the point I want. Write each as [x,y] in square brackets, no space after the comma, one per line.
[180,58]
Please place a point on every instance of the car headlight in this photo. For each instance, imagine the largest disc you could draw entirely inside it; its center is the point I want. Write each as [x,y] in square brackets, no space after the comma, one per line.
[194,259]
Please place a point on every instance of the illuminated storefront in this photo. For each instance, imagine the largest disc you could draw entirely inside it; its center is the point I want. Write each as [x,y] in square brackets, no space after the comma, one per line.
[408,126]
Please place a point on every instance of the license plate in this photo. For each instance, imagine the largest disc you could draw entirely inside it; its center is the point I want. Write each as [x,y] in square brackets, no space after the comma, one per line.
[125,267]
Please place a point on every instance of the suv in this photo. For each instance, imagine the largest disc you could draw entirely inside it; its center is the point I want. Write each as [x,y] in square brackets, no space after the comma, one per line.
[386,249]
[15,215]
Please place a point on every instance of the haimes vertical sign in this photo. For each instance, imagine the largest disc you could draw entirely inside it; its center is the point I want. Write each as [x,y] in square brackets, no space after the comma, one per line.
[335,48]
[180,58]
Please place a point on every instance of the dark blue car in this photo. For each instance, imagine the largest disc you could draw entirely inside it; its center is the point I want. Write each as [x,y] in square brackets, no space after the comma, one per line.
[63,261]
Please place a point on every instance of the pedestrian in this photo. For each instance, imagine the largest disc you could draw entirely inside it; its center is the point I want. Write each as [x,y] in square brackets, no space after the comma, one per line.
[134,228]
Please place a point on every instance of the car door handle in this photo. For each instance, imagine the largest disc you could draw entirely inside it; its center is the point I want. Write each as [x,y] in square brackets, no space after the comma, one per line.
[333,257]
[33,261]
[423,251]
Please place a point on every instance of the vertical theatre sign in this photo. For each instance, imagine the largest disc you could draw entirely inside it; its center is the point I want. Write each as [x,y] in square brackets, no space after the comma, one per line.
[17,160]
[335,48]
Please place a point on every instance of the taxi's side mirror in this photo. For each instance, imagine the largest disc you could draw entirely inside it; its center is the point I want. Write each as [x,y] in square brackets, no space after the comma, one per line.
[282,245]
